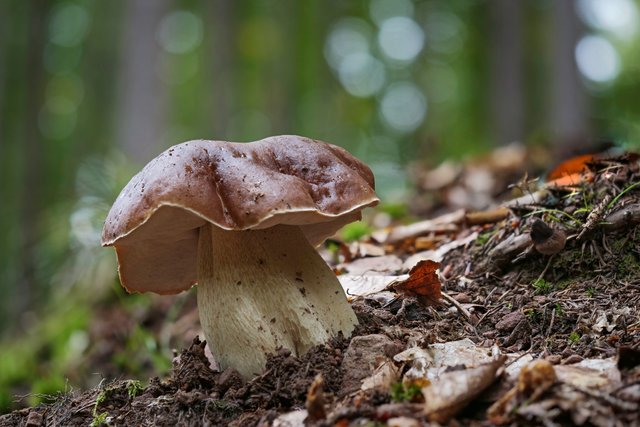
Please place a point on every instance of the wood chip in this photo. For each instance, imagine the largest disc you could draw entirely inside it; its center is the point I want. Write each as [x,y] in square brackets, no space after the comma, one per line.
[487,217]
[446,223]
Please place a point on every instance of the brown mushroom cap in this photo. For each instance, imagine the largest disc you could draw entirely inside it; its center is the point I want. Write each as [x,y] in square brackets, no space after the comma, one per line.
[154,222]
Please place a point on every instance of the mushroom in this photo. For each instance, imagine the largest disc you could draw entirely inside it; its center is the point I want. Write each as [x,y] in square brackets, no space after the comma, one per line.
[241,220]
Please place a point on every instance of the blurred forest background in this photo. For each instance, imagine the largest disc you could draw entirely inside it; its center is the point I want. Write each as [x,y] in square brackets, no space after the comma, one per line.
[92,90]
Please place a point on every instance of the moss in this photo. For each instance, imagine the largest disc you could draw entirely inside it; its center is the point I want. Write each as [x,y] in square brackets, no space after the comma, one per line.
[542,287]
[134,388]
[42,356]
[484,237]
[628,265]
[397,211]
[99,419]
[402,393]
[574,337]
[559,310]
[533,315]
[355,231]
[564,284]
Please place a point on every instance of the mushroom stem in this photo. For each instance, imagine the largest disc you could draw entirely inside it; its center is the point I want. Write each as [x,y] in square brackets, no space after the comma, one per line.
[259,290]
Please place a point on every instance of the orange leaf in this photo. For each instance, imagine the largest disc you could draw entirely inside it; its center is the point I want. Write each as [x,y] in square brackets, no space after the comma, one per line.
[574,165]
[423,283]
[572,180]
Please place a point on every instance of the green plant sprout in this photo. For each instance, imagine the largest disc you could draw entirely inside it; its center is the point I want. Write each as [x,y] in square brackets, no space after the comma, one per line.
[574,337]
[622,193]
[542,287]
[99,418]
[532,314]
[402,393]
[355,231]
[134,388]
[550,212]
[396,211]
[559,310]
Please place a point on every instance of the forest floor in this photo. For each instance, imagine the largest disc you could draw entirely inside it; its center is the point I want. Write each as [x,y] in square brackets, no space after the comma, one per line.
[532,319]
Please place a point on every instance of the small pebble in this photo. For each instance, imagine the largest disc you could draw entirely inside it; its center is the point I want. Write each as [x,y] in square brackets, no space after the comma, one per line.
[463,298]
[490,334]
[34,419]
[510,321]
[554,359]
[574,358]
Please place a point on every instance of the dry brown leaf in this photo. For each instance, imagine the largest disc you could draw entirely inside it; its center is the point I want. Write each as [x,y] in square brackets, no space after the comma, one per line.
[386,264]
[423,283]
[445,397]
[384,375]
[533,380]
[403,422]
[315,400]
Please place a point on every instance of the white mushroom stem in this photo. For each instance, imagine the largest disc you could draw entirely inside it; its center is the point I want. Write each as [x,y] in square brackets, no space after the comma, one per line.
[259,290]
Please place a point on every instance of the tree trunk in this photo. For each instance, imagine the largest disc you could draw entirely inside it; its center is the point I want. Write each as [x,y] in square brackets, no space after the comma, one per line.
[507,90]
[222,15]
[143,97]
[32,179]
[569,109]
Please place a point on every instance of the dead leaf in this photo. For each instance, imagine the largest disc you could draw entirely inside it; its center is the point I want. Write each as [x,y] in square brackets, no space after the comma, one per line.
[378,265]
[423,283]
[445,397]
[359,285]
[315,400]
[384,375]
[291,419]
[571,180]
[403,422]
[534,379]
[573,165]
[430,363]
[364,249]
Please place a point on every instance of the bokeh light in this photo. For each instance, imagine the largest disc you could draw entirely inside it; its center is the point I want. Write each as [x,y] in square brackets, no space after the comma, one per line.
[350,36]
[180,32]
[444,31]
[381,10]
[69,25]
[361,74]
[597,59]
[400,38]
[403,106]
[618,17]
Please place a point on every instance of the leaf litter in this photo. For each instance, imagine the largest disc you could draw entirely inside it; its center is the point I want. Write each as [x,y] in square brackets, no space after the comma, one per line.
[504,332]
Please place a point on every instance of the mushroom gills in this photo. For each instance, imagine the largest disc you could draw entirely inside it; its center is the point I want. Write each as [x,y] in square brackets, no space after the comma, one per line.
[259,290]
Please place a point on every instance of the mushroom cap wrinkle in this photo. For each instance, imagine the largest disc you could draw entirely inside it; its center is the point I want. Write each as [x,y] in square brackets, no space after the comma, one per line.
[154,223]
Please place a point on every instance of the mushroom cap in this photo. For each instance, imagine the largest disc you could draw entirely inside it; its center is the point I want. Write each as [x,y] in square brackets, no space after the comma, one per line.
[154,223]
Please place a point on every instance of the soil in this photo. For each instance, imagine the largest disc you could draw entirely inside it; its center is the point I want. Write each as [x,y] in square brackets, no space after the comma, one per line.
[580,302]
